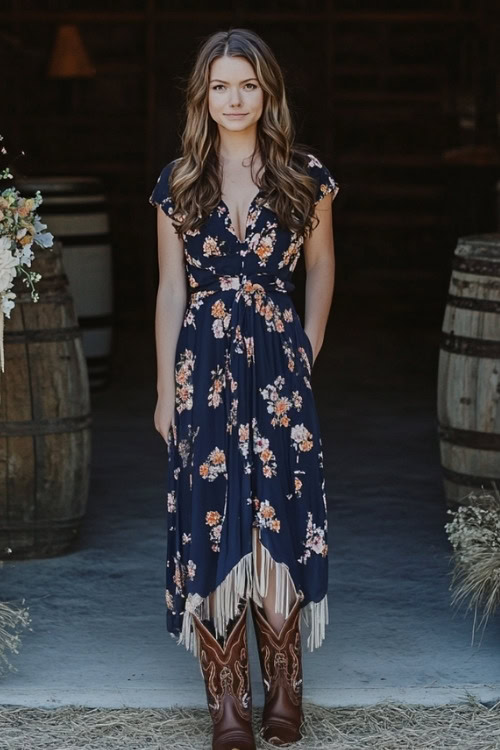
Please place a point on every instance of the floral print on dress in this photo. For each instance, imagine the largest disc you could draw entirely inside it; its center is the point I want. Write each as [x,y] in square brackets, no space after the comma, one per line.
[214,465]
[215,393]
[213,519]
[245,450]
[315,540]
[302,439]
[183,377]
[262,449]
[265,515]
[279,405]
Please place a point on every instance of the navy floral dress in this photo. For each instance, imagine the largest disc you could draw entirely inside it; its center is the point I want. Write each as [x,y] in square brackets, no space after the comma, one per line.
[244,453]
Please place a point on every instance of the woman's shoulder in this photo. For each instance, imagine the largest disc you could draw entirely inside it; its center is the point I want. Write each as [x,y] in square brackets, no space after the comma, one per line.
[326,182]
[161,190]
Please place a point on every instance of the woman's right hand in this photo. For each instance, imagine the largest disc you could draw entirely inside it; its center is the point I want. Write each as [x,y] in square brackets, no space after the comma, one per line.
[164,415]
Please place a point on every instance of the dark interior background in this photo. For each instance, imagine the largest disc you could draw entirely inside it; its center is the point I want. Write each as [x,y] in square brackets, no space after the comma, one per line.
[400,98]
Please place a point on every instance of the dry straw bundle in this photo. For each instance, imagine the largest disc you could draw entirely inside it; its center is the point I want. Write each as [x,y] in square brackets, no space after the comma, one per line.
[13,620]
[385,726]
[475,536]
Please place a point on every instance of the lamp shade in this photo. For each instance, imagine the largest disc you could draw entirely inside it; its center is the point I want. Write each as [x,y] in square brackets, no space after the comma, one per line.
[69,58]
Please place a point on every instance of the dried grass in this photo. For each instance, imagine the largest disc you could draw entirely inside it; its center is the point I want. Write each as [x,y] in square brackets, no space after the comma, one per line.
[386,725]
[13,620]
[474,534]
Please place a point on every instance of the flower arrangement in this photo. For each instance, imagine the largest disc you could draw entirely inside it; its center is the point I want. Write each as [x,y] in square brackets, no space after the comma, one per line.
[20,227]
[474,533]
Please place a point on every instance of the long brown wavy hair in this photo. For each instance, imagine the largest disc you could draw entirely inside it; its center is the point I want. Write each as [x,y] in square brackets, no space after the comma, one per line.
[195,179]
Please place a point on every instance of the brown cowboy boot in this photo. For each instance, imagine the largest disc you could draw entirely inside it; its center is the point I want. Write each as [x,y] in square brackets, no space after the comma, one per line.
[227,682]
[281,664]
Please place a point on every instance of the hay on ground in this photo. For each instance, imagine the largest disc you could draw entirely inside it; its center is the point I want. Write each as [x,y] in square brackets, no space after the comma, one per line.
[386,725]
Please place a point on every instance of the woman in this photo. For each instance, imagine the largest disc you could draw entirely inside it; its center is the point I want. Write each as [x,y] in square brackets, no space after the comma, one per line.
[246,501]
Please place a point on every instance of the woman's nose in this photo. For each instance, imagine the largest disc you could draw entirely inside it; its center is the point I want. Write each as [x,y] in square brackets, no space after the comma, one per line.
[234,97]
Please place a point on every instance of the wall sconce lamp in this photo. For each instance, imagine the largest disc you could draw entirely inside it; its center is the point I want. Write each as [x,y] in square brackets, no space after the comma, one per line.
[69,58]
[70,65]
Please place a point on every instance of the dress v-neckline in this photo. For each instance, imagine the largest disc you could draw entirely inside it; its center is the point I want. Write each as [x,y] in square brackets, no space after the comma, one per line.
[230,220]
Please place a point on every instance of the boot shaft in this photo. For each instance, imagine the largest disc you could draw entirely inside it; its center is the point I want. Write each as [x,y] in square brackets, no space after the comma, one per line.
[225,670]
[280,657]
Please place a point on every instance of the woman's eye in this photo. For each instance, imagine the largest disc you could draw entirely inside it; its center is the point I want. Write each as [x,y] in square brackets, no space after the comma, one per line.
[221,85]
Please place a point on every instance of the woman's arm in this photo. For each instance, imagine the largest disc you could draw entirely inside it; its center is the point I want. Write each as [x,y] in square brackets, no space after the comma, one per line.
[170,307]
[319,257]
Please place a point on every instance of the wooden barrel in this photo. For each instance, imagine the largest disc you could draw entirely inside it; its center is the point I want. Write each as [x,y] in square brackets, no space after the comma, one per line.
[75,211]
[468,389]
[45,419]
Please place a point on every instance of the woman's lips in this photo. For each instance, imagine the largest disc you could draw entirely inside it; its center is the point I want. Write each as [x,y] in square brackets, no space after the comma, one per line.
[240,114]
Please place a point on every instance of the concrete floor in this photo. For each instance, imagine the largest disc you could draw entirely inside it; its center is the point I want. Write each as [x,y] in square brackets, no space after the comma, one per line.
[99,636]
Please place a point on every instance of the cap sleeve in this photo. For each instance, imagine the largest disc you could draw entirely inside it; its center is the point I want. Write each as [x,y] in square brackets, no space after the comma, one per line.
[326,183]
[161,191]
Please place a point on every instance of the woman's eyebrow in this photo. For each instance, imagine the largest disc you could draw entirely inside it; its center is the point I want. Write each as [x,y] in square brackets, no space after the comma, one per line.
[221,81]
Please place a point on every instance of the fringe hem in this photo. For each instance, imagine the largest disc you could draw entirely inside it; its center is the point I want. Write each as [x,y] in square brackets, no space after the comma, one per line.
[245,580]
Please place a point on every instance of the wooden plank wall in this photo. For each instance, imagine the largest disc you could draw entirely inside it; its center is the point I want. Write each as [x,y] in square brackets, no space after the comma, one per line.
[383,88]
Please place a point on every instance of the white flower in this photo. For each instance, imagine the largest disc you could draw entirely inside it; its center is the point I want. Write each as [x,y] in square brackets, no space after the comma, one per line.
[218,328]
[25,254]
[299,432]
[39,225]
[8,266]
[45,239]
[6,303]
[317,542]
[5,243]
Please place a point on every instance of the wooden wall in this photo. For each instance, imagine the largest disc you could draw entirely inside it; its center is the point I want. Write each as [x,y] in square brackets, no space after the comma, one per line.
[383,89]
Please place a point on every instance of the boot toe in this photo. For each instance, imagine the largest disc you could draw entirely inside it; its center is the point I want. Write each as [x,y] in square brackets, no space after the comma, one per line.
[236,741]
[280,734]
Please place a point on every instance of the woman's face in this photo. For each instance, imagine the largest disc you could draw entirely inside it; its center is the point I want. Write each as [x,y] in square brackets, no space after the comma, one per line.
[233,89]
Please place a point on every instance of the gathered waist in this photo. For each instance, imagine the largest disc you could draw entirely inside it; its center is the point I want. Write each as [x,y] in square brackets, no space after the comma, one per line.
[246,283]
